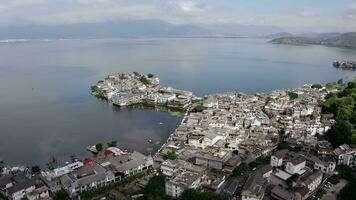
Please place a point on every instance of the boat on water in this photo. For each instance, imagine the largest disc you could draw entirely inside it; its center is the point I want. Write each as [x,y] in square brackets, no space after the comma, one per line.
[150,141]
[92,149]
[161,123]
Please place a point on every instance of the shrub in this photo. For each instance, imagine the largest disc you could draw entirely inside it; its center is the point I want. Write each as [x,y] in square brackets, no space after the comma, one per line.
[317,86]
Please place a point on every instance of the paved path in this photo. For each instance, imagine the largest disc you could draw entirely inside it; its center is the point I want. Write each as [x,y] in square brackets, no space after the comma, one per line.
[332,192]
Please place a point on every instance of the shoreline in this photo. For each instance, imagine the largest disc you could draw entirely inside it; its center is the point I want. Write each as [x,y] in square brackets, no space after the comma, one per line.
[163,109]
[217,141]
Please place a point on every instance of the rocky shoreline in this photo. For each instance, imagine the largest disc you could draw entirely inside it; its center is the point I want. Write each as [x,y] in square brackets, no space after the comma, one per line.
[347,65]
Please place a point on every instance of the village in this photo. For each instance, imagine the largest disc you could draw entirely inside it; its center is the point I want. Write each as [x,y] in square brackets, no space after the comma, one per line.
[241,146]
[135,88]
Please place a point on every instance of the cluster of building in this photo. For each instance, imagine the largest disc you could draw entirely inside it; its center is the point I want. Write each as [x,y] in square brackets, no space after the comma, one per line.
[217,134]
[295,175]
[345,64]
[290,175]
[298,112]
[130,89]
[19,183]
[234,128]
[75,177]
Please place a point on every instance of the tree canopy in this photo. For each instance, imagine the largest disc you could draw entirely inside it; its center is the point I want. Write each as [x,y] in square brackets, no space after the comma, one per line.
[240,170]
[61,195]
[349,191]
[190,194]
[171,155]
[155,189]
[342,106]
[317,86]
[35,169]
[99,147]
[198,108]
[112,143]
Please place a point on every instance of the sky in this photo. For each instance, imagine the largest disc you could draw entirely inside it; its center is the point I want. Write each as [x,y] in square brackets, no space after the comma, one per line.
[290,15]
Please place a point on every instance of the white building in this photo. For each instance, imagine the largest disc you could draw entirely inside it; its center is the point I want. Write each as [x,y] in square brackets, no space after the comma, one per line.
[20,190]
[183,180]
[169,167]
[313,181]
[254,188]
[296,166]
[277,158]
[346,155]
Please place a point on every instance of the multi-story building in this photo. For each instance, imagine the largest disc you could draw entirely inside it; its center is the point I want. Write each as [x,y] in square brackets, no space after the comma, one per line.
[182,181]
[254,188]
[296,165]
[346,155]
[85,178]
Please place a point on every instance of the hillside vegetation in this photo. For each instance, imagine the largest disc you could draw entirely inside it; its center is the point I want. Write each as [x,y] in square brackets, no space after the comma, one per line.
[346,40]
[342,106]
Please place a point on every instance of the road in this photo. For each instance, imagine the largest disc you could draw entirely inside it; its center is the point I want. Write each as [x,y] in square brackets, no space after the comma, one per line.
[333,191]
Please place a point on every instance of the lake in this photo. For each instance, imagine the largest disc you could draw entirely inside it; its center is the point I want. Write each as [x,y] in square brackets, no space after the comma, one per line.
[46,108]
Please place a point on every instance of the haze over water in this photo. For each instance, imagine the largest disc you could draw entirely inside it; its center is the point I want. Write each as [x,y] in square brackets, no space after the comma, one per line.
[46,108]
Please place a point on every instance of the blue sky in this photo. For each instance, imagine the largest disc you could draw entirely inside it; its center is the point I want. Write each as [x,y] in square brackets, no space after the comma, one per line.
[291,15]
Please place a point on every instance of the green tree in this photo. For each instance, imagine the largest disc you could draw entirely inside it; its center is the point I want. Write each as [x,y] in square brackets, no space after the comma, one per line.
[155,188]
[190,194]
[73,157]
[340,133]
[35,169]
[198,108]
[150,75]
[348,192]
[345,171]
[342,106]
[50,165]
[112,143]
[99,147]
[259,161]
[331,85]
[340,82]
[171,155]
[240,170]
[317,86]
[291,180]
[144,80]
[61,195]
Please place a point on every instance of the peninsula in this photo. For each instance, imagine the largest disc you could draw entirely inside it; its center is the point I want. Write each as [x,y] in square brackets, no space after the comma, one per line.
[346,40]
[132,89]
[347,65]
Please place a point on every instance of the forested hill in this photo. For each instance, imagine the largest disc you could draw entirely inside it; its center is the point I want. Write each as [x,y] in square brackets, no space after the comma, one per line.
[346,40]
[343,106]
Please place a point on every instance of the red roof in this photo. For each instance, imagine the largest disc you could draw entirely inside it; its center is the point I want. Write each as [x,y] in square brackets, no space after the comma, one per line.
[88,161]
[108,153]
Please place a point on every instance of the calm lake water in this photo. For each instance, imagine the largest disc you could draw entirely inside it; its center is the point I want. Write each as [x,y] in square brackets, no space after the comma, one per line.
[46,108]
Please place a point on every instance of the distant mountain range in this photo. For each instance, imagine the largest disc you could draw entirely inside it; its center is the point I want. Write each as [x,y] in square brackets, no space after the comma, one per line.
[342,40]
[305,35]
[134,28]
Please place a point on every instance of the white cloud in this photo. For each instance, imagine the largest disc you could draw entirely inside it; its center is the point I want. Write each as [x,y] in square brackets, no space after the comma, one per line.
[6,5]
[307,14]
[190,6]
[22,12]
[351,11]
[97,11]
